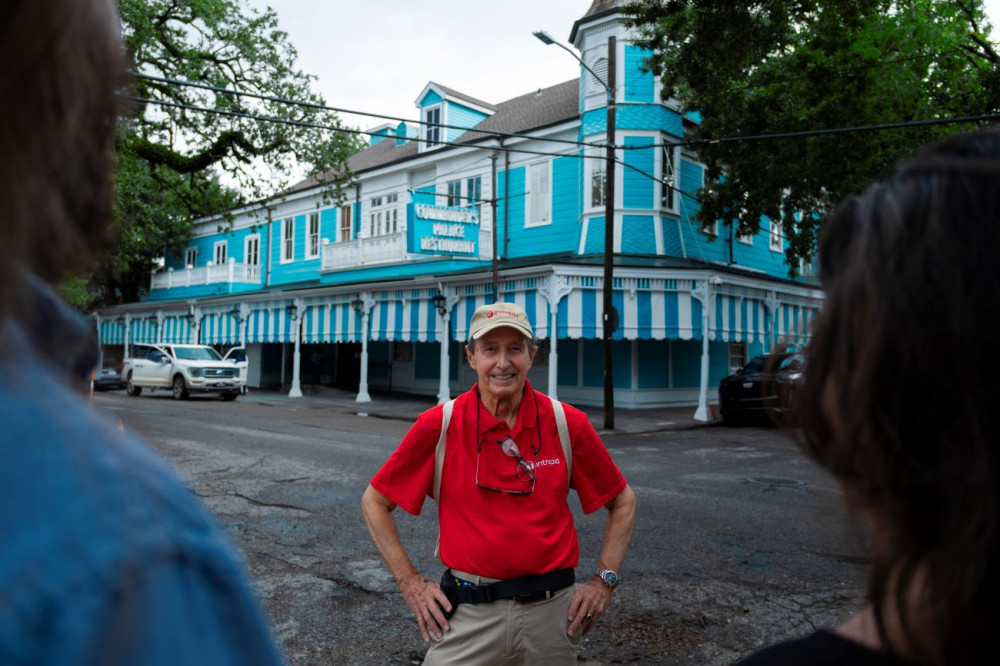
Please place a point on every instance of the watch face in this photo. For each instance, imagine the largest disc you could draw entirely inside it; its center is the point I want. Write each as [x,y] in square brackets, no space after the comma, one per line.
[610,578]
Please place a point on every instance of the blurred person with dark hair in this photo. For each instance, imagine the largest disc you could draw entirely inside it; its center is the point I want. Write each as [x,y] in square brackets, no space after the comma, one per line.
[900,403]
[105,557]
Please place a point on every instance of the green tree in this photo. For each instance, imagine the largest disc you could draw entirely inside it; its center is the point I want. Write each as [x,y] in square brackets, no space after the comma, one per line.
[783,66]
[177,162]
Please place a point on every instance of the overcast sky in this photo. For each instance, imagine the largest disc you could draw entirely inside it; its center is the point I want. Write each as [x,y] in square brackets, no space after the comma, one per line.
[377,55]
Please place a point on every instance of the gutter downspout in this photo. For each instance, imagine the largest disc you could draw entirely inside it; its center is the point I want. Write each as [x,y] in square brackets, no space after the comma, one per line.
[506,202]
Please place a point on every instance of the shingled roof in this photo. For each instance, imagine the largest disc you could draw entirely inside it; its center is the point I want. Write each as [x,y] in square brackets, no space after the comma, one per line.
[542,108]
[597,9]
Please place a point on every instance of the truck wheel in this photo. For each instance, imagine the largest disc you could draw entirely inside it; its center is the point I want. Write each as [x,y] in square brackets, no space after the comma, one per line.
[180,389]
[229,397]
[131,388]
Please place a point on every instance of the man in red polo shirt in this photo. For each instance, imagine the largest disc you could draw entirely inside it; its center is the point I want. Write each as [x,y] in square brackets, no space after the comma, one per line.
[507,532]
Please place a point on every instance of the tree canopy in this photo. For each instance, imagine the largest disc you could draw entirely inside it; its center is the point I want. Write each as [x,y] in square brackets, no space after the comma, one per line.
[190,151]
[785,66]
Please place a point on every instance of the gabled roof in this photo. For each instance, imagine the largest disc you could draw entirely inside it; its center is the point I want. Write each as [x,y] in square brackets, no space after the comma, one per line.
[451,93]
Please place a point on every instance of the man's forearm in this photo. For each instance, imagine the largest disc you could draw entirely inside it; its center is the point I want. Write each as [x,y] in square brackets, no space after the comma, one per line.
[382,529]
[618,532]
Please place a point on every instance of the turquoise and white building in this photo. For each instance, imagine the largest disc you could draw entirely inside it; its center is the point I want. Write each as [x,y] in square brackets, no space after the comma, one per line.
[377,293]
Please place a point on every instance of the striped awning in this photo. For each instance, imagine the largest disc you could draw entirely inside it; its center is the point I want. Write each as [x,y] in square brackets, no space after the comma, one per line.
[648,309]
[112,331]
[144,331]
[794,323]
[176,330]
[270,322]
[220,327]
[643,314]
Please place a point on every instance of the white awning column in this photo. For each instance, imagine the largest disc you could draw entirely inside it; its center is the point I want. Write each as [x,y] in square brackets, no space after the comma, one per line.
[366,304]
[558,287]
[128,335]
[705,293]
[296,317]
[444,303]
[772,305]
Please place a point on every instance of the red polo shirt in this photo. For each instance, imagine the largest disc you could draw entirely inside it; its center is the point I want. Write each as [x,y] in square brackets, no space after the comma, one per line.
[498,534]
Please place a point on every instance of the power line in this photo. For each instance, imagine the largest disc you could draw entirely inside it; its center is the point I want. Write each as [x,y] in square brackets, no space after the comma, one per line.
[337,128]
[323,107]
[834,130]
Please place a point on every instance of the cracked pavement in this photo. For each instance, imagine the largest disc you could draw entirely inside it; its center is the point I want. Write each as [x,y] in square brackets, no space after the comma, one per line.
[740,541]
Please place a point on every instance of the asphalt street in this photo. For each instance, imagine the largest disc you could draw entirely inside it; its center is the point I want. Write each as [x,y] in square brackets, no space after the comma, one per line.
[740,540]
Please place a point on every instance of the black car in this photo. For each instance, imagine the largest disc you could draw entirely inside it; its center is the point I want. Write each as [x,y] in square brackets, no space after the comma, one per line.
[765,386]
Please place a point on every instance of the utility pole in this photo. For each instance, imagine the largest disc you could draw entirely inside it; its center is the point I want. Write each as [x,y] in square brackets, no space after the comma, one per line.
[609,244]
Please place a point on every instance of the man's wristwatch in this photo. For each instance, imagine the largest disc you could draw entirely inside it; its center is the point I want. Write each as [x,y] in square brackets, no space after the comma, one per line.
[608,577]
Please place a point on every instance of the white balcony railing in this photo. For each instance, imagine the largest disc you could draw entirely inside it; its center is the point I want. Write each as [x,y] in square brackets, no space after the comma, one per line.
[390,248]
[229,273]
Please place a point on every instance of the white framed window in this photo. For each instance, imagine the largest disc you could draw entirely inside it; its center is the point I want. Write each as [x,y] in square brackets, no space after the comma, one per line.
[312,239]
[392,214]
[383,217]
[746,239]
[344,215]
[251,250]
[774,233]
[670,179]
[454,193]
[737,355]
[597,182]
[474,192]
[711,229]
[287,239]
[538,203]
[190,257]
[221,250]
[432,126]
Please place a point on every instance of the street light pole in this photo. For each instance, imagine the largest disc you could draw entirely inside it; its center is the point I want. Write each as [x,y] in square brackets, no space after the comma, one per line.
[610,320]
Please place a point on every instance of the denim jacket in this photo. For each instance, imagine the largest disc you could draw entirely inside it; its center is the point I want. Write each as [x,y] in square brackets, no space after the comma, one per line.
[105,556]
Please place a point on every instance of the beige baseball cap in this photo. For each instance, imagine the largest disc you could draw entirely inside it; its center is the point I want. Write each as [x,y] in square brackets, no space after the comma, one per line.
[488,317]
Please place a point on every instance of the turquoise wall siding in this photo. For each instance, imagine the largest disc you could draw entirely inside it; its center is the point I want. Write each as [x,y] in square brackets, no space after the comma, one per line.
[594,243]
[638,184]
[638,84]
[633,116]
[561,234]
[299,269]
[672,246]
[510,211]
[593,362]
[430,98]
[462,116]
[654,368]
[637,234]
[687,363]
[427,360]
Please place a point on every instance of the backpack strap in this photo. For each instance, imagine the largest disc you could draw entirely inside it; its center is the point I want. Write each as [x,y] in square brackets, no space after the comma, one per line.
[439,451]
[567,445]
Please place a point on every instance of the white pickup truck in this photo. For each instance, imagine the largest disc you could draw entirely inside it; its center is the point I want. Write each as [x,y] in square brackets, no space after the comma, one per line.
[184,369]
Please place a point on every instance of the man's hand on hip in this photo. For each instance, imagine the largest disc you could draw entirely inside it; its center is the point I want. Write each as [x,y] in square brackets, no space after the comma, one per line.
[426,600]
[588,605]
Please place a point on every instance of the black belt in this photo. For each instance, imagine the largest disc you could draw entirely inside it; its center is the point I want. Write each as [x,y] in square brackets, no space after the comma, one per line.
[524,590]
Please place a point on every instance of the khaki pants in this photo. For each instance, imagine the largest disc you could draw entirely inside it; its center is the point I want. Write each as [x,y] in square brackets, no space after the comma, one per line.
[505,632]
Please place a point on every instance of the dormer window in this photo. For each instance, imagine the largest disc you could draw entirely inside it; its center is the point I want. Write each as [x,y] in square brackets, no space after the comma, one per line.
[432,126]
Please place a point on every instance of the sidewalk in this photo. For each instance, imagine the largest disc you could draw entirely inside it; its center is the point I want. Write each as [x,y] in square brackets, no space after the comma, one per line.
[407,407]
